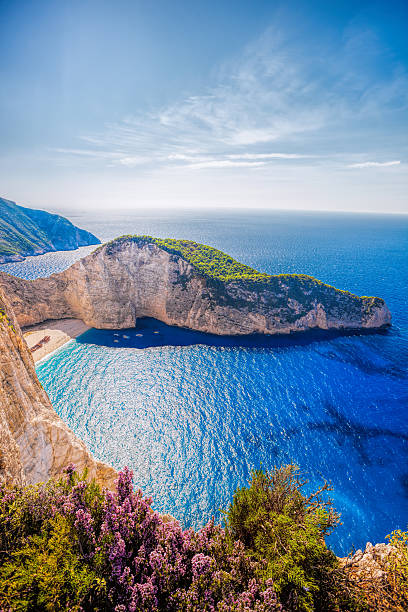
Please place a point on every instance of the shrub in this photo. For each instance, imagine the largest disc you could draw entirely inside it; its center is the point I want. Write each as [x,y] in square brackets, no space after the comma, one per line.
[278,523]
[397,569]
[67,545]
[47,573]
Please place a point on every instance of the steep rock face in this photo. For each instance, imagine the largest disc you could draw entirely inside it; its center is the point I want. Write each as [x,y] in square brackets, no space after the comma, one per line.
[35,443]
[134,277]
[26,231]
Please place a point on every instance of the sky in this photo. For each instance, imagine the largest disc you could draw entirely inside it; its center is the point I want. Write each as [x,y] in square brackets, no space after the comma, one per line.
[128,104]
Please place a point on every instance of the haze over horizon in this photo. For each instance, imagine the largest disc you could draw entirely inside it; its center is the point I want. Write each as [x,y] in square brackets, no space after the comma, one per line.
[130,105]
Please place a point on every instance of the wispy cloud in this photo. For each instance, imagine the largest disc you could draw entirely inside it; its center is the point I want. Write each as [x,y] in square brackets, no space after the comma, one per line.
[273,95]
[92,153]
[132,161]
[373,164]
[236,160]
[226,163]
[269,156]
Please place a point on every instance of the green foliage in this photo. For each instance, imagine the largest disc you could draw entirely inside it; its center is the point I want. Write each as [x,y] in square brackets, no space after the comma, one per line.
[277,522]
[42,563]
[25,231]
[397,569]
[48,573]
[207,260]
[221,268]
[19,234]
[67,545]
[211,262]
[4,318]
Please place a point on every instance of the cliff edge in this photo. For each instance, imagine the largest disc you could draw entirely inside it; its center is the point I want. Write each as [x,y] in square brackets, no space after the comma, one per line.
[189,285]
[35,443]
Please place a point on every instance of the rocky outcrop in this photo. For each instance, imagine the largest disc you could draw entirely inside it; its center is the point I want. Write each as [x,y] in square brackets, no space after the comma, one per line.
[369,563]
[35,443]
[27,231]
[136,277]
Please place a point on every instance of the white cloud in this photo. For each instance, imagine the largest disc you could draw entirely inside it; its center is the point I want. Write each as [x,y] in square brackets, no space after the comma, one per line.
[97,154]
[372,164]
[226,163]
[239,160]
[134,160]
[268,156]
[179,157]
[188,157]
[273,92]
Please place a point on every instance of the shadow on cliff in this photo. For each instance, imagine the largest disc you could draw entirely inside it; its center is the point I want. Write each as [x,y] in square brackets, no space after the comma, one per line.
[153,333]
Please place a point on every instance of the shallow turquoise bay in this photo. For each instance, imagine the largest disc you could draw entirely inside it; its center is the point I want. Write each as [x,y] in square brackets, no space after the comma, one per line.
[193,414]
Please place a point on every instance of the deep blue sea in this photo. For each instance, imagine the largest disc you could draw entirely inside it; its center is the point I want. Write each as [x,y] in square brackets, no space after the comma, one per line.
[193,414]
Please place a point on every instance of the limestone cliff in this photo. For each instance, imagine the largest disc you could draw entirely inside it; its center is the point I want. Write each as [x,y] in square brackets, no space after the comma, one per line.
[35,443]
[189,285]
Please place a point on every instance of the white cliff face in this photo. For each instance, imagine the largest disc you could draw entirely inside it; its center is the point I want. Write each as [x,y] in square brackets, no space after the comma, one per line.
[117,284]
[110,289]
[35,443]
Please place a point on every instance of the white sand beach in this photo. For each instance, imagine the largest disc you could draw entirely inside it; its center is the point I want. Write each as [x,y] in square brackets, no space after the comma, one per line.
[50,335]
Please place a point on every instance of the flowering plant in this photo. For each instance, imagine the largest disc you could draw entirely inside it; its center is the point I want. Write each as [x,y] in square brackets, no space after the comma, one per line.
[68,545]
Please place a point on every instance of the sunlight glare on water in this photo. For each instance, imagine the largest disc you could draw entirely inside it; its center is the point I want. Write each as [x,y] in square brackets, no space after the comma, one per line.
[192,415]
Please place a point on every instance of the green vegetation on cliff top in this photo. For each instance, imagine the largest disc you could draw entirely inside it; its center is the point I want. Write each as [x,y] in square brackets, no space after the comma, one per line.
[215,264]
[26,231]
[4,317]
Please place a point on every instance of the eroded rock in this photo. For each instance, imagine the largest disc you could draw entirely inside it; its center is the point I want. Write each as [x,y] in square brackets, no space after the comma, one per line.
[132,277]
[35,443]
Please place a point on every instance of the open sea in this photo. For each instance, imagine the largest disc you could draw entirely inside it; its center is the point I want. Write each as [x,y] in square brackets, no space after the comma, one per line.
[192,414]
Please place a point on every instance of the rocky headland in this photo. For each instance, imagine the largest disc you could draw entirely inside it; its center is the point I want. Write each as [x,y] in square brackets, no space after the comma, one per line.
[189,285]
[180,283]
[27,231]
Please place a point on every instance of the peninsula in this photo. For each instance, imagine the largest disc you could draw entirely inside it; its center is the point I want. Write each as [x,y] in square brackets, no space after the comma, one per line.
[189,285]
[26,231]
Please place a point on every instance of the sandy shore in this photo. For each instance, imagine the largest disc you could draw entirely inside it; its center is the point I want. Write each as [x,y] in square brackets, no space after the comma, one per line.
[59,332]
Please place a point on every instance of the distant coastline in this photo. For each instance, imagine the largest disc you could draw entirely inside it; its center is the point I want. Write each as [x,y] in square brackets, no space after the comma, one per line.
[27,231]
[294,381]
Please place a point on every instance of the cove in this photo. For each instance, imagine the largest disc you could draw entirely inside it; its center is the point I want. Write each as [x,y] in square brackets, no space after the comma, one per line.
[192,414]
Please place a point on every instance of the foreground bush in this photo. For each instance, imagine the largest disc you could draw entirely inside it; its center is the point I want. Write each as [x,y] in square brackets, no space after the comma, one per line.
[279,524]
[396,569]
[68,546]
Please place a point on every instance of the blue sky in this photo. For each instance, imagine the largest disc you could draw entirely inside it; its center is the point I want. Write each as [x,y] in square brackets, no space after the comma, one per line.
[130,104]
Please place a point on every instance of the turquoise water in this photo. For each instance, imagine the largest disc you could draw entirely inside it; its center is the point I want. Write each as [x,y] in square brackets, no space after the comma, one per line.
[192,414]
